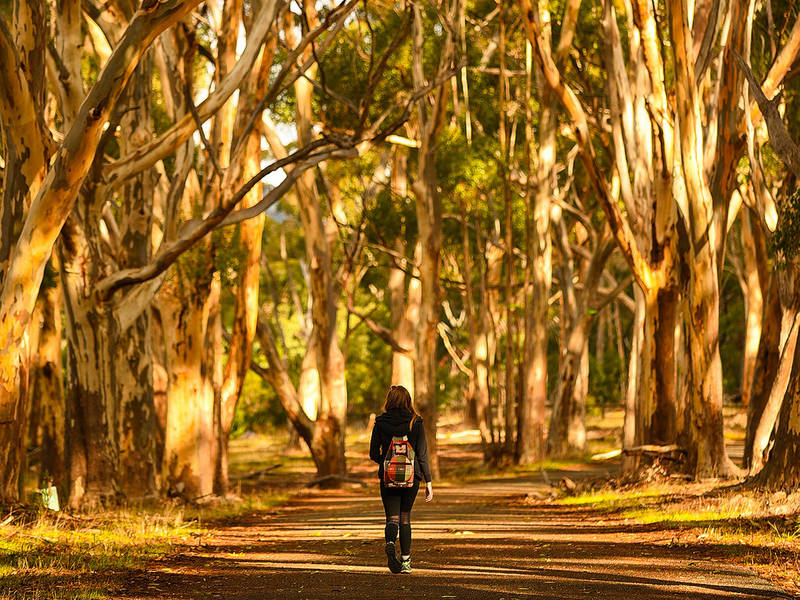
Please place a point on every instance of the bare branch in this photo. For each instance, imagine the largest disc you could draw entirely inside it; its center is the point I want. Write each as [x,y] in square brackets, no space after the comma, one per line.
[212,155]
[194,230]
[779,136]
[378,329]
[336,16]
[442,329]
[608,298]
[781,66]
[166,143]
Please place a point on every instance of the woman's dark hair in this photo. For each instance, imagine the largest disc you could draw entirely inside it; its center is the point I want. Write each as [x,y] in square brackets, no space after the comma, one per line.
[398,397]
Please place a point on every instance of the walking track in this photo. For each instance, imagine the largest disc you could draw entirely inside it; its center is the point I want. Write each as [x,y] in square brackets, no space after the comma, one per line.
[476,542]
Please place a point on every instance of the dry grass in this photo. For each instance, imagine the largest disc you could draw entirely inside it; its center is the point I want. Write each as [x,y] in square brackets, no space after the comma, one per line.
[54,555]
[756,530]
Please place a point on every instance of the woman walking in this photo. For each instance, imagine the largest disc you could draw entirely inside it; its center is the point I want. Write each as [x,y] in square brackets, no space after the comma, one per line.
[395,430]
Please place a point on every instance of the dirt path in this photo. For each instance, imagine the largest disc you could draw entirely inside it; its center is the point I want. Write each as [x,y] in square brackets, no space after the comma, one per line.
[471,543]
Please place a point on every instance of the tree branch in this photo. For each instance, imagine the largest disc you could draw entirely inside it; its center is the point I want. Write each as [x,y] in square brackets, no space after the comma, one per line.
[69,169]
[619,226]
[127,166]
[780,67]
[442,329]
[779,136]
[378,329]
[194,230]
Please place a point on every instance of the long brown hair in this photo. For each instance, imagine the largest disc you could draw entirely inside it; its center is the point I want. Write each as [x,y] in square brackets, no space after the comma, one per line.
[399,397]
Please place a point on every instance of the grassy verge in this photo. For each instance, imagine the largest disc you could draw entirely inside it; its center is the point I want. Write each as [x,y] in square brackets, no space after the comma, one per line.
[56,556]
[756,530]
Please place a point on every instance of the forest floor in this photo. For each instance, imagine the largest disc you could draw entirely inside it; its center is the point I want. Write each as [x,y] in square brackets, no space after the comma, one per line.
[502,534]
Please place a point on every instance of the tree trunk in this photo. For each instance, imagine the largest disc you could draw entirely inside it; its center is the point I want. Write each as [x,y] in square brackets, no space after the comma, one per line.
[110,409]
[426,336]
[116,371]
[753,276]
[189,443]
[567,432]
[430,118]
[49,210]
[782,471]
[530,429]
[331,420]
[160,383]
[404,307]
[323,436]
[510,353]
[662,315]
[12,423]
[309,387]
[92,448]
[25,153]
[631,427]
[478,392]
[705,443]
[246,314]
[766,369]
[704,440]
[790,332]
[576,436]
[530,434]
[403,299]
[651,395]
[490,316]
[136,428]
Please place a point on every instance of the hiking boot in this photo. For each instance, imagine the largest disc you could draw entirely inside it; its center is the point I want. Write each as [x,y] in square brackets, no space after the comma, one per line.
[405,565]
[391,556]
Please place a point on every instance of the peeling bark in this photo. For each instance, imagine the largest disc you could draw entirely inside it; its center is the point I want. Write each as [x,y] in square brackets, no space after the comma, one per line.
[190,443]
[782,470]
[46,389]
[246,289]
[49,210]
[703,433]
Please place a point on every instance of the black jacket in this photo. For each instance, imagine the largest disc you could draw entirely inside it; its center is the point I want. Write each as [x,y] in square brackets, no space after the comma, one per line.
[395,422]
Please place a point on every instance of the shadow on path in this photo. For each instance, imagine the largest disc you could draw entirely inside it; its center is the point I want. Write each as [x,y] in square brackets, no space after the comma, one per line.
[467,545]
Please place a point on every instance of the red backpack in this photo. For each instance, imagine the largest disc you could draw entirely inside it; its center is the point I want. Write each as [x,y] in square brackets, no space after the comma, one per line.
[398,466]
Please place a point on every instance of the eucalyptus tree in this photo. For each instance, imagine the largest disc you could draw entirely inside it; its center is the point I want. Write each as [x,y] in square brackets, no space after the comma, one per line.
[355,105]
[204,397]
[51,198]
[430,118]
[541,190]
[690,181]
[115,252]
[783,403]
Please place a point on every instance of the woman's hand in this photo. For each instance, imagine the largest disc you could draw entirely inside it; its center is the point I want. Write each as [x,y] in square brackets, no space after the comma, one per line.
[428,491]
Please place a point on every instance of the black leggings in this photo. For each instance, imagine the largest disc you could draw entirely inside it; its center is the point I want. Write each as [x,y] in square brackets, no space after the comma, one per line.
[397,504]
